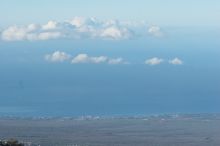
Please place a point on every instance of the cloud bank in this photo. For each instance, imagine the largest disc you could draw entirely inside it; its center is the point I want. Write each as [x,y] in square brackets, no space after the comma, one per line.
[156,61]
[59,56]
[85,58]
[79,28]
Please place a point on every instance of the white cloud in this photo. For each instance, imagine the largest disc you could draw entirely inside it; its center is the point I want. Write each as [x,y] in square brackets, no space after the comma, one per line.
[57,56]
[155,31]
[79,27]
[81,58]
[176,61]
[93,28]
[48,35]
[83,21]
[84,58]
[154,61]
[99,59]
[14,33]
[31,32]
[116,61]
[50,25]
[78,21]
[116,33]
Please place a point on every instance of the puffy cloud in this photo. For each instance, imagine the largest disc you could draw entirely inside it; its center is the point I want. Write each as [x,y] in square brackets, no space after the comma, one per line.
[83,21]
[50,25]
[81,58]
[176,61]
[16,33]
[116,33]
[57,56]
[93,28]
[154,61]
[79,27]
[31,32]
[84,58]
[48,35]
[155,31]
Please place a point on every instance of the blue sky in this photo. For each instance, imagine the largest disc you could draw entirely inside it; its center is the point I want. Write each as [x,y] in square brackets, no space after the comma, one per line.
[161,12]
[71,58]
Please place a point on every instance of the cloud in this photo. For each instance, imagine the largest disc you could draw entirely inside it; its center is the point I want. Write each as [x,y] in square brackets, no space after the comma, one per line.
[50,25]
[176,61]
[84,21]
[79,28]
[17,33]
[116,61]
[106,29]
[81,58]
[31,32]
[85,58]
[154,61]
[57,56]
[48,35]
[157,61]
[116,33]
[155,31]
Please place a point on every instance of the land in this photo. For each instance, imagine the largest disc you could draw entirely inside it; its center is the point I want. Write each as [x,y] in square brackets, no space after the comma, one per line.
[163,130]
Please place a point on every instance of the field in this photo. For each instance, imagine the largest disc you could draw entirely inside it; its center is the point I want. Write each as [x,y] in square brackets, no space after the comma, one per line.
[167,130]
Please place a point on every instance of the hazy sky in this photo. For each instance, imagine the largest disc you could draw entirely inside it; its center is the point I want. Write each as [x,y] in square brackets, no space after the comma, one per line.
[169,12]
[110,57]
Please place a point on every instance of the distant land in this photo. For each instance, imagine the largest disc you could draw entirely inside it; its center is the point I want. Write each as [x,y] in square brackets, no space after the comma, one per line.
[155,130]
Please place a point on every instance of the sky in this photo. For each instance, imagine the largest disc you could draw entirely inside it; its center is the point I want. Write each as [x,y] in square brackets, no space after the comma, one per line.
[171,12]
[73,58]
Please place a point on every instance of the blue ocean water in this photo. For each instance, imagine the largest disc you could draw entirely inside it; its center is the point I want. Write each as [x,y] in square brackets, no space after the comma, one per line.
[30,86]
